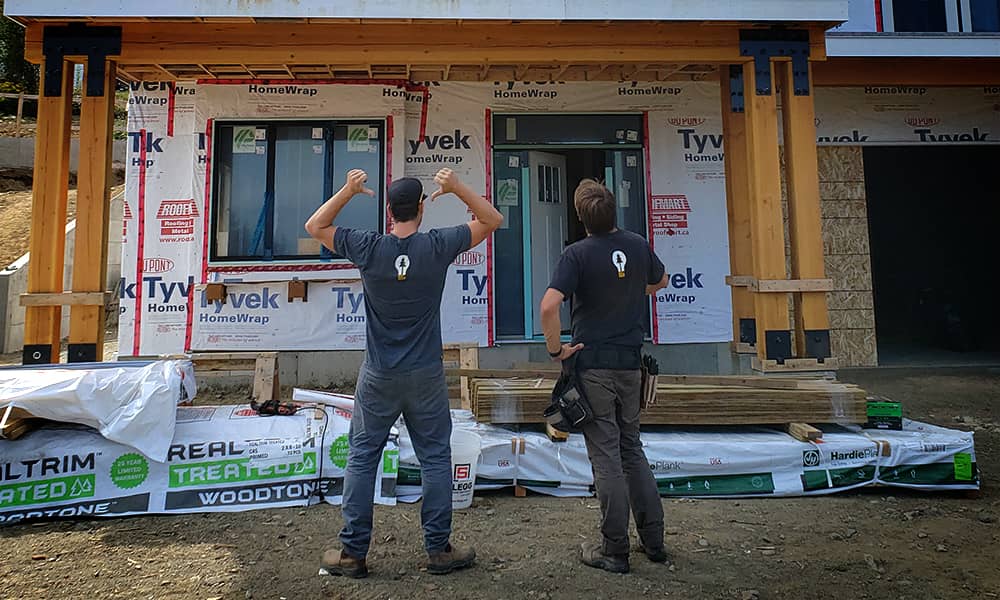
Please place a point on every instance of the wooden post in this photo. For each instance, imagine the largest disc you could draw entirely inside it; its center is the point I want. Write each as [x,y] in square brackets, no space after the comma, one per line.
[738,208]
[812,321]
[90,256]
[48,220]
[20,112]
[767,233]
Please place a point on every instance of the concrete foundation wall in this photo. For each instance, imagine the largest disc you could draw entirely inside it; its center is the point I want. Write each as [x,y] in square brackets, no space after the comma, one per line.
[20,152]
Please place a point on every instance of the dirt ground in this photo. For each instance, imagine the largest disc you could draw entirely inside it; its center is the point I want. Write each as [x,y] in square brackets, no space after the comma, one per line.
[877,544]
[15,210]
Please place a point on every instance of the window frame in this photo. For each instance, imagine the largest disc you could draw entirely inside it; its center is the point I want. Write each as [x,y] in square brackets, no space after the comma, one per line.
[958,17]
[325,256]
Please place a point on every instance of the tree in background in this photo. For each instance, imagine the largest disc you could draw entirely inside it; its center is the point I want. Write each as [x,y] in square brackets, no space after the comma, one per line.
[18,73]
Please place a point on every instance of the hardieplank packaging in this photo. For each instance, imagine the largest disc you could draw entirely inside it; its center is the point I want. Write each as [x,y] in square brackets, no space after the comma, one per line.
[884,414]
[745,461]
[222,459]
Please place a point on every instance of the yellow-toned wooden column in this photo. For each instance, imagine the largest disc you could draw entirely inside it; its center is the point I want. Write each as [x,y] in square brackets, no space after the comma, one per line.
[812,320]
[738,208]
[90,257]
[48,219]
[766,222]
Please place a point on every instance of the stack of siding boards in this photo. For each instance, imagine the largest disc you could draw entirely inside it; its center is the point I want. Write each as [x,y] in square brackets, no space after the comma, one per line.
[689,400]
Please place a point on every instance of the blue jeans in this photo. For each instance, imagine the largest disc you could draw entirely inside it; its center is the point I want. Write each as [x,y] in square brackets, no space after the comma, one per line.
[421,396]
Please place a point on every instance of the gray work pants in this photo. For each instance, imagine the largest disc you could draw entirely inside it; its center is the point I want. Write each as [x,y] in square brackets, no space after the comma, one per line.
[621,472]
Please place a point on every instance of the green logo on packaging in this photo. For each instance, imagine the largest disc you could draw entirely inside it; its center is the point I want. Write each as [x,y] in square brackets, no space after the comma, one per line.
[390,461]
[47,491]
[338,451]
[129,471]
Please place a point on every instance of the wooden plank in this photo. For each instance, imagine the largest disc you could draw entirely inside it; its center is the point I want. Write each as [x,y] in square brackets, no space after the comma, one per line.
[377,43]
[805,229]
[793,364]
[766,219]
[810,288]
[747,281]
[737,205]
[265,381]
[91,299]
[468,359]
[919,72]
[804,432]
[48,214]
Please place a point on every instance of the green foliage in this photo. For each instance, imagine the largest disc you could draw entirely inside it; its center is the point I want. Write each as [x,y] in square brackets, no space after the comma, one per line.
[13,68]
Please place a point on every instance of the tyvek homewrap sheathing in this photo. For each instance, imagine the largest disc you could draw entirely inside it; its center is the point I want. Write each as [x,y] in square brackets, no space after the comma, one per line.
[170,163]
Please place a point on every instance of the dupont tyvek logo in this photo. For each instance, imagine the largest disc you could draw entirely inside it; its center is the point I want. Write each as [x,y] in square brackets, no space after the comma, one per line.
[282,90]
[469,258]
[526,90]
[160,295]
[156,265]
[473,286]
[350,305]
[810,458]
[654,90]
[921,121]
[895,91]
[138,98]
[245,307]
[685,121]
[177,220]
[439,148]
[405,94]
[689,281]
[152,145]
[854,137]
[701,147]
[928,135]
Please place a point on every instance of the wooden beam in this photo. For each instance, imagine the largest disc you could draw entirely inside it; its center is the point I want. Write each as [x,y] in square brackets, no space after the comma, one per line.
[473,43]
[84,299]
[923,72]
[804,432]
[737,205]
[48,214]
[805,228]
[90,254]
[783,286]
[767,234]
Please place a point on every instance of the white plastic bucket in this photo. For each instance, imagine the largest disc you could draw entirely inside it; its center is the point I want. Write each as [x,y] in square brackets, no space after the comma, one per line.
[465,448]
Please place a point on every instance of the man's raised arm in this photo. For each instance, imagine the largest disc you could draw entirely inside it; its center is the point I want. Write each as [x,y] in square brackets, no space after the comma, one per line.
[488,218]
[320,225]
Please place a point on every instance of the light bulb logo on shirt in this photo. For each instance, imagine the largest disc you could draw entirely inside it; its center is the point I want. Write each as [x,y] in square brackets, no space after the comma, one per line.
[402,264]
[619,259]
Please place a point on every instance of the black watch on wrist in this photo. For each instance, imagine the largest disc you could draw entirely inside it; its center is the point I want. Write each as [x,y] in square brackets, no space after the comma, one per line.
[557,353]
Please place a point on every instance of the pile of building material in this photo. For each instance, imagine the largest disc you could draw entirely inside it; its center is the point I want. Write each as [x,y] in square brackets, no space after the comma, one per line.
[690,400]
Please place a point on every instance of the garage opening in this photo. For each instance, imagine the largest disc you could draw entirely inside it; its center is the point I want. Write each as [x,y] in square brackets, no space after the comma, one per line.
[933,217]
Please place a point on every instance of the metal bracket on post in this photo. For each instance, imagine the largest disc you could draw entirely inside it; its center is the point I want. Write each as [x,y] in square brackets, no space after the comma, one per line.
[81,353]
[818,344]
[77,39]
[764,44]
[36,354]
[736,88]
[748,331]
[778,345]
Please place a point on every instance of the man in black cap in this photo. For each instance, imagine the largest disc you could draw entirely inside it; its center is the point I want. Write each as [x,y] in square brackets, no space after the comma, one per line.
[403,274]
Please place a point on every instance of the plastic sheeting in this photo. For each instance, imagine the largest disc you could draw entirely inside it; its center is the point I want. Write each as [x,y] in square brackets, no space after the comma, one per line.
[731,462]
[133,404]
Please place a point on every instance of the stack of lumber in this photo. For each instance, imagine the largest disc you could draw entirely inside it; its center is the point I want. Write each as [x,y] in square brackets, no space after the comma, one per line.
[15,422]
[689,400]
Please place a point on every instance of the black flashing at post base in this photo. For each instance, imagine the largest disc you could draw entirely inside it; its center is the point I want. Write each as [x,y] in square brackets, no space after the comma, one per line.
[748,331]
[36,354]
[818,344]
[77,39]
[778,345]
[81,353]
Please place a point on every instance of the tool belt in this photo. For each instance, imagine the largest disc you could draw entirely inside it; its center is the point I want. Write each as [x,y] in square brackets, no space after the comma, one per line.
[616,358]
[569,410]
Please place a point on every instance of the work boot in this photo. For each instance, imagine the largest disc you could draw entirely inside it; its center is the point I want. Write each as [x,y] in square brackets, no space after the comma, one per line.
[343,564]
[450,559]
[657,555]
[593,555]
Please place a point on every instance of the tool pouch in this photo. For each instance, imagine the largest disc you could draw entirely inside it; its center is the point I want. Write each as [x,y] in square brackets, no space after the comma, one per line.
[569,410]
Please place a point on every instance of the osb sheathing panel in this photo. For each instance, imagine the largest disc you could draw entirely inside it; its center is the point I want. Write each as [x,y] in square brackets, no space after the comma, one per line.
[847,254]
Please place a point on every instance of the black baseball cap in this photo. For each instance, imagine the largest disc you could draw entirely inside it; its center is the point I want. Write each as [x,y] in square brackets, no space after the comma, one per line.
[405,192]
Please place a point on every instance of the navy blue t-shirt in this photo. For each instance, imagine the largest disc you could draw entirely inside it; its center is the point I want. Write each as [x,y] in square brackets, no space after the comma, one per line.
[606,275]
[403,280]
